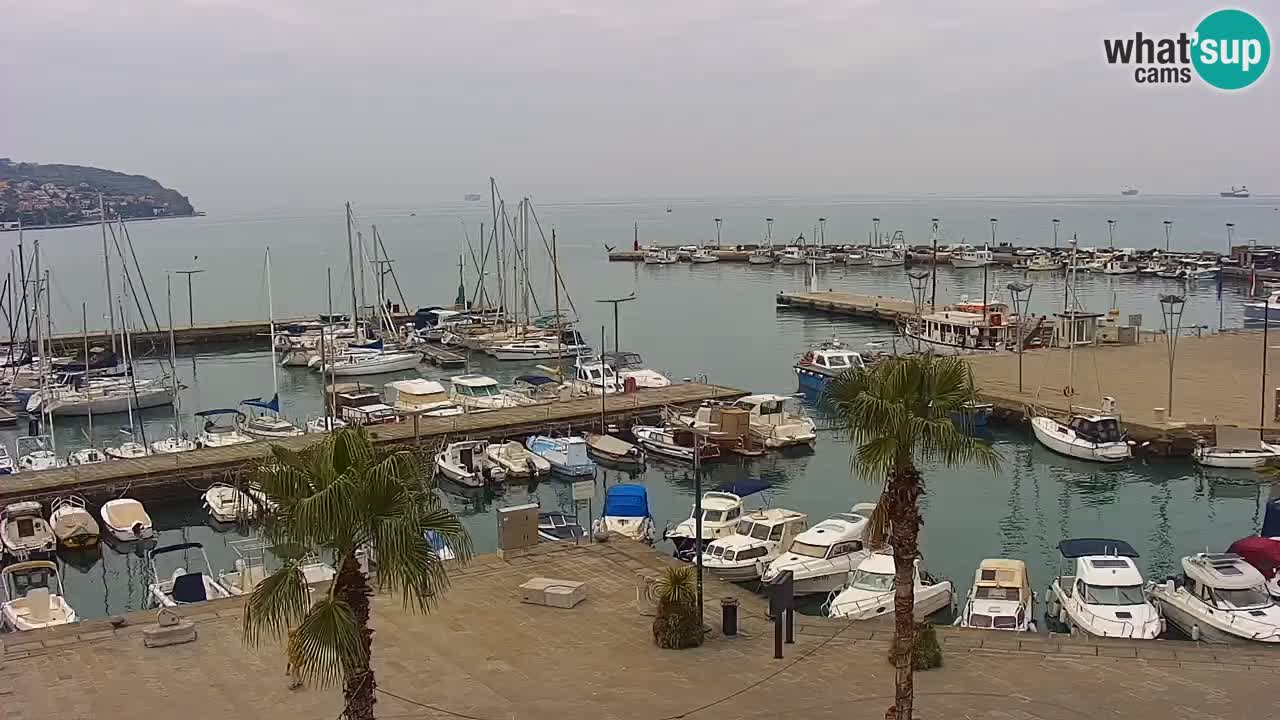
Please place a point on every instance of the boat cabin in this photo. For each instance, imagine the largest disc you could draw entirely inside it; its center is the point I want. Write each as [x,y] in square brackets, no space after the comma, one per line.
[1105,573]
[772,525]
[1078,328]
[418,395]
[836,536]
[537,387]
[965,330]
[832,358]
[595,375]
[475,386]
[1224,581]
[624,360]
[1097,428]
[1001,596]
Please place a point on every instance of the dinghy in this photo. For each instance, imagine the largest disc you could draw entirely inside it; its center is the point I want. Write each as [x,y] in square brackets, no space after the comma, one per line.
[515,460]
[33,596]
[73,524]
[25,533]
[127,520]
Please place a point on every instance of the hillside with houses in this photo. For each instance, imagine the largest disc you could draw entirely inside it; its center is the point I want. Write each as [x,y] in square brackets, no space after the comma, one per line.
[36,195]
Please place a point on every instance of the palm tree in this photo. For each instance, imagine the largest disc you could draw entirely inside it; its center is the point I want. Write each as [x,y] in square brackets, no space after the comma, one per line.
[346,498]
[678,623]
[899,413]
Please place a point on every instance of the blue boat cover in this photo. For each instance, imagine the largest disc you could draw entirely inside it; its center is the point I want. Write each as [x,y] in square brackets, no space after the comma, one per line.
[375,345]
[1085,547]
[1271,519]
[534,379]
[273,404]
[743,488]
[626,500]
[217,411]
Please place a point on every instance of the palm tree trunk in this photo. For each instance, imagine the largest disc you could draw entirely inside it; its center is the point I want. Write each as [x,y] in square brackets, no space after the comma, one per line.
[905,488]
[359,685]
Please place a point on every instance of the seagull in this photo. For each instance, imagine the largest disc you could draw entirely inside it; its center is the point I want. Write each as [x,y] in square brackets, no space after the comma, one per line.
[608,247]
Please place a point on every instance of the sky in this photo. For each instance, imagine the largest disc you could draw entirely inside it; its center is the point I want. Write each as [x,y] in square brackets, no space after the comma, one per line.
[306,103]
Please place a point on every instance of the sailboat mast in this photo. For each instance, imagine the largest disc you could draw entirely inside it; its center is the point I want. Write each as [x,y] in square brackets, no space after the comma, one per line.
[128,364]
[1069,309]
[364,302]
[106,271]
[555,284]
[173,357]
[351,262]
[84,334]
[271,322]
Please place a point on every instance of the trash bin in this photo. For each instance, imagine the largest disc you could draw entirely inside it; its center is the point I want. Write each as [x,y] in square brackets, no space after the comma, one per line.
[729,616]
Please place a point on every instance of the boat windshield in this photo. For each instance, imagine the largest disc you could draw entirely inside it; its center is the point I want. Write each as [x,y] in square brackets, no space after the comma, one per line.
[1113,594]
[875,582]
[999,622]
[22,582]
[804,549]
[760,531]
[1242,599]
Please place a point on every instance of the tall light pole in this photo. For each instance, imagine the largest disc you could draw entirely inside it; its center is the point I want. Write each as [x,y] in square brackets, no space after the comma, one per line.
[875,233]
[933,272]
[1230,245]
[191,306]
[1020,297]
[615,302]
[1171,307]
[1168,233]
[1111,232]
[1055,232]
[984,274]
[718,221]
[822,223]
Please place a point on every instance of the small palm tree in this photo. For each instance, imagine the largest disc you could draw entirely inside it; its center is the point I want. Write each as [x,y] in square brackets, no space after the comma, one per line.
[899,413]
[346,498]
[678,624]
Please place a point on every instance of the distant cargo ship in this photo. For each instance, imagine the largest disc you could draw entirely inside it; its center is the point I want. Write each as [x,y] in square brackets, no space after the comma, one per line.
[1129,190]
[1235,192]
[472,197]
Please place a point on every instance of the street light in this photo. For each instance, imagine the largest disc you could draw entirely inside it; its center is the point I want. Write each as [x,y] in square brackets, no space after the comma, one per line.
[191,307]
[822,223]
[933,292]
[615,302]
[1055,232]
[718,221]
[1020,297]
[875,235]
[1171,307]
[1230,246]
[1168,231]
[1111,232]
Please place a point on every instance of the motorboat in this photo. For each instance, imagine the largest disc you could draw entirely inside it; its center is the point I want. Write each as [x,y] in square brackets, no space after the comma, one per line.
[566,455]
[760,537]
[465,462]
[38,455]
[762,256]
[1121,264]
[34,597]
[1129,190]
[228,504]
[609,449]
[1000,598]
[1203,269]
[1218,598]
[558,527]
[973,415]
[127,520]
[630,370]
[127,450]
[1235,447]
[536,389]
[214,435]
[660,256]
[7,466]
[1257,311]
[869,593]
[25,533]
[887,256]
[626,512]
[1105,597]
[817,256]
[1235,192]
[183,586]
[702,256]
[857,258]
[776,426]
[481,392]
[969,328]
[419,395]
[73,524]
[1086,435]
[570,344]
[792,256]
[674,443]
[1043,262]
[324,424]
[172,444]
[516,461]
[269,425]
[720,513]
[818,367]
[972,258]
[821,558]
[376,413]
[250,567]
[594,377]
[1263,553]
[86,456]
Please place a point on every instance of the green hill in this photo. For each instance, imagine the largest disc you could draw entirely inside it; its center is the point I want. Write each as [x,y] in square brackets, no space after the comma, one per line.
[56,194]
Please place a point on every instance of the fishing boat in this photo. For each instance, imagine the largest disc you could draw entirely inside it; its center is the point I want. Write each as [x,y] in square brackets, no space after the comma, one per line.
[660,256]
[821,558]
[465,462]
[759,538]
[1121,264]
[774,424]
[616,451]
[818,367]
[887,256]
[126,520]
[1235,192]
[792,256]
[183,586]
[869,593]
[516,461]
[1086,434]
[25,534]
[626,511]
[558,527]
[1000,598]
[1043,262]
[762,256]
[817,256]
[1105,596]
[972,258]
[857,258]
[73,524]
[702,256]
[720,513]
[567,455]
[1235,447]
[630,369]
[34,597]
[214,434]
[674,443]
[1219,598]
[971,328]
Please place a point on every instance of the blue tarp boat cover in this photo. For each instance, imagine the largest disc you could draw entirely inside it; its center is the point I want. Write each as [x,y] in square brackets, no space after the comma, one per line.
[743,488]
[534,379]
[1085,547]
[626,500]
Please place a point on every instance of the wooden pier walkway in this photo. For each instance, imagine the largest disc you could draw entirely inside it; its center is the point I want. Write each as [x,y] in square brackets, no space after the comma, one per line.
[441,357]
[196,470]
[868,307]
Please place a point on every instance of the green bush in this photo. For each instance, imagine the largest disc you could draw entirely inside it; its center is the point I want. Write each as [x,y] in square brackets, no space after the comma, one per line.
[926,653]
[678,624]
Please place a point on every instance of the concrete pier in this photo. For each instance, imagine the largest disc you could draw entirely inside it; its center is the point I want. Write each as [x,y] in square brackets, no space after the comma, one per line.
[865,307]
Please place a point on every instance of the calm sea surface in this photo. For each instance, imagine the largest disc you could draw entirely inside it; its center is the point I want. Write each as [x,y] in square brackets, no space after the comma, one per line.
[717,320]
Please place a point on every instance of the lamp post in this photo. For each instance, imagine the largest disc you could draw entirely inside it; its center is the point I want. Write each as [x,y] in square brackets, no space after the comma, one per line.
[615,302]
[1168,232]
[1020,298]
[1111,232]
[191,307]
[917,280]
[875,232]
[984,273]
[718,221]
[1171,307]
[933,292]
[768,232]
[822,238]
[1055,232]
[1230,246]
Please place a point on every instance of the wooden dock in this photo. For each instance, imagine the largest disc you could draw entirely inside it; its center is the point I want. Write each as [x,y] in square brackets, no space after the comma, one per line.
[866,307]
[443,358]
[185,474]
[232,331]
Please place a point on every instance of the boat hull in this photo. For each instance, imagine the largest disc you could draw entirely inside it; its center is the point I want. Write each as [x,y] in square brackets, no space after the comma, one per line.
[1048,433]
[149,398]
[408,362]
[1237,459]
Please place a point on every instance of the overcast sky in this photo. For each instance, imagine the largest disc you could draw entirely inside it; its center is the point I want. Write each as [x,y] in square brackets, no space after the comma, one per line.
[305,103]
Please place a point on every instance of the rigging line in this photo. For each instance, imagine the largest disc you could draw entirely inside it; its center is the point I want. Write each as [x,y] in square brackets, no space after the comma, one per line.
[150,305]
[555,271]
[481,292]
[128,276]
[391,269]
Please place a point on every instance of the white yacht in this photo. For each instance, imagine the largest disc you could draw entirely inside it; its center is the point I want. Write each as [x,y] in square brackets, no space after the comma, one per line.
[214,435]
[419,395]
[1105,595]
[720,513]
[516,461]
[356,363]
[1235,447]
[73,524]
[101,397]
[480,392]
[972,258]
[465,462]
[821,558]
[184,586]
[1086,435]
[1219,598]
[33,596]
[870,590]
[773,424]
[760,537]
[1000,598]
[629,368]
[127,520]
[24,532]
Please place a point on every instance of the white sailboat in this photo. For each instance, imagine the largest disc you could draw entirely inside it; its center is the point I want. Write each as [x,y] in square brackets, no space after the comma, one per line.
[131,448]
[269,424]
[178,442]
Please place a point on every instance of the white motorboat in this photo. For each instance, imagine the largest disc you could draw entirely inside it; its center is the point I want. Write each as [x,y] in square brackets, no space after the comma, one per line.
[674,443]
[593,377]
[214,434]
[172,444]
[1000,598]
[720,513]
[887,256]
[1235,192]
[480,392]
[465,462]
[762,256]
[356,364]
[1043,262]
[857,258]
[1235,447]
[418,395]
[127,450]
[1219,598]
[1105,597]
[516,461]
[760,537]
[1087,435]
[821,558]
[101,397]
[773,424]
[792,256]
[701,256]
[630,370]
[870,590]
[227,504]
[817,256]
[86,456]
[1203,270]
[36,452]
[565,455]
[539,349]
[250,568]
[33,596]
[25,533]
[972,258]
[325,423]
[73,524]
[660,256]
[184,586]
[126,520]
[610,449]
[626,512]
[1121,264]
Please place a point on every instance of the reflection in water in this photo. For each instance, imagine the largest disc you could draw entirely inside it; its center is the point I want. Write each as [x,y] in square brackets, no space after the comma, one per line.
[1164,558]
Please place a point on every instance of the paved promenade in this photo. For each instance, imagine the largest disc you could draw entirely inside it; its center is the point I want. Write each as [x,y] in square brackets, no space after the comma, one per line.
[485,655]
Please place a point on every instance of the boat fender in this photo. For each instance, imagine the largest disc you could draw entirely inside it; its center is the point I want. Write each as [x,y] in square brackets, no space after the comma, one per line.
[629,385]
[759,568]
[1195,632]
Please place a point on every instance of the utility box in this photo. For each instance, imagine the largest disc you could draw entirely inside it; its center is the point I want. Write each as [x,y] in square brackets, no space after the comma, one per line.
[517,527]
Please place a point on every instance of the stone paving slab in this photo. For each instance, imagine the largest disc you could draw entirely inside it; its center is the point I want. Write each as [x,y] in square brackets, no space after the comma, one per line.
[486,654]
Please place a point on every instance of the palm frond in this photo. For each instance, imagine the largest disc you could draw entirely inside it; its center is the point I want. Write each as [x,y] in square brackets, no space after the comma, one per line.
[275,603]
[876,533]
[327,645]
[675,586]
